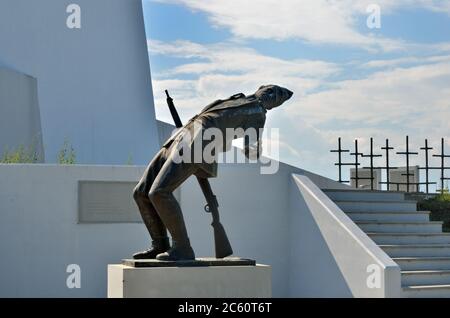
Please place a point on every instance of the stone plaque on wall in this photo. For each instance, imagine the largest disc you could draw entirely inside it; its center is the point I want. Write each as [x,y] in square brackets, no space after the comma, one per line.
[107,202]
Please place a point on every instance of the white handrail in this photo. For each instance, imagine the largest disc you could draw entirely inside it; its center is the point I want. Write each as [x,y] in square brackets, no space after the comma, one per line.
[343,253]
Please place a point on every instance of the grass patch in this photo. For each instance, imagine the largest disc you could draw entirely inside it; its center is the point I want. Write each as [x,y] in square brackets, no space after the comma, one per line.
[20,155]
[66,155]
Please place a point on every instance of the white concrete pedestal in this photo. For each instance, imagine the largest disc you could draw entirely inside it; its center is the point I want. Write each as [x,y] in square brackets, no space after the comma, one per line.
[189,282]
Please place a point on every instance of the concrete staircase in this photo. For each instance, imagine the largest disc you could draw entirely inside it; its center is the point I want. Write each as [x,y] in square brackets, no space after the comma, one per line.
[415,243]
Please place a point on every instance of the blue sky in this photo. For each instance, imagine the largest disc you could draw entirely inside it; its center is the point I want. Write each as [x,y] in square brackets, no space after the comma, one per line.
[349,80]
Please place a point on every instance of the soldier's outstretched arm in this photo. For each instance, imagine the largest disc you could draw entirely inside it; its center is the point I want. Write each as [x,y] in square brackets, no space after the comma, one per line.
[253,142]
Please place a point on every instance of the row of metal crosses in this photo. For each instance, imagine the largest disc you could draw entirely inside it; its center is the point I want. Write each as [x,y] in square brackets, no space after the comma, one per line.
[387,148]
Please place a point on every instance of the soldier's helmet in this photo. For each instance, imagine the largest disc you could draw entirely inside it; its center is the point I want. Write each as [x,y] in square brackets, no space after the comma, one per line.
[273,95]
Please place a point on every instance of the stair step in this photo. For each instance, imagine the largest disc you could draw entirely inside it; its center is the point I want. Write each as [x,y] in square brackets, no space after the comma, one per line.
[364,195]
[377,206]
[416,250]
[416,244]
[427,291]
[422,263]
[409,238]
[390,216]
[425,277]
[400,227]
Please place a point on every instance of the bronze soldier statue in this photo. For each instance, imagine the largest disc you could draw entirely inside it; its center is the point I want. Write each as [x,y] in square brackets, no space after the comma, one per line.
[153,194]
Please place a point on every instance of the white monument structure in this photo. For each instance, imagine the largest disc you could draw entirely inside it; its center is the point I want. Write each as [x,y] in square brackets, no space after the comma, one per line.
[90,64]
[79,70]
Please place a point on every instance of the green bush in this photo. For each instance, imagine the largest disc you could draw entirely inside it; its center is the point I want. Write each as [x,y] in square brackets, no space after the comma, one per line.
[66,155]
[20,155]
[444,197]
[439,206]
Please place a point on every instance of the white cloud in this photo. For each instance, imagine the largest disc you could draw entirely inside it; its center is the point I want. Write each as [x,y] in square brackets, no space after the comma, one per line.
[315,21]
[216,71]
[405,61]
[412,101]
[227,57]
[407,96]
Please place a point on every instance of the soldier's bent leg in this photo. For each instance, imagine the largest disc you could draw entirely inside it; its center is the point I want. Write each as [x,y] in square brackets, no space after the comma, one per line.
[155,227]
[169,178]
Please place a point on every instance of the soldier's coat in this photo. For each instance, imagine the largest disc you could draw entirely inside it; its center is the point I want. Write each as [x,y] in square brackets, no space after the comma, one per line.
[238,111]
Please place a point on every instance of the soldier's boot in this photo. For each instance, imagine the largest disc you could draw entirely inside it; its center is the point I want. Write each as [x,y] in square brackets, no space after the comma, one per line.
[157,230]
[178,252]
[158,246]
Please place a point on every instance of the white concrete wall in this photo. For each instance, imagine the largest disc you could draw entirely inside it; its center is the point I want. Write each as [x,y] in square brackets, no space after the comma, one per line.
[94,83]
[20,122]
[39,234]
[330,255]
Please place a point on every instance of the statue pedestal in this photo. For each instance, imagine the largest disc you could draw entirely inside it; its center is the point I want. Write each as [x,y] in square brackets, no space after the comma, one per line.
[202,278]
